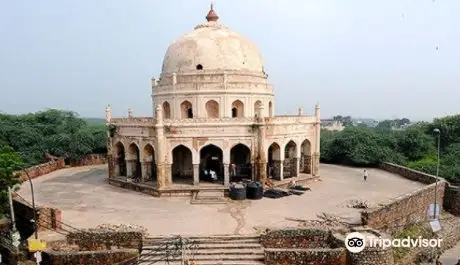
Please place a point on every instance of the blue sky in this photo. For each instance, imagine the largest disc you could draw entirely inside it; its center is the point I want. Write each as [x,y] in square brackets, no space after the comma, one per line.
[355,57]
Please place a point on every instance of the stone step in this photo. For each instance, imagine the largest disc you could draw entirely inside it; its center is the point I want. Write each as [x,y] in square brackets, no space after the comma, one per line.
[226,237]
[203,241]
[213,251]
[207,262]
[211,246]
[199,258]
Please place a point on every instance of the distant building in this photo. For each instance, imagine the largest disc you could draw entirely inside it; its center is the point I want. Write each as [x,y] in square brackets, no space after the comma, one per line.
[332,125]
[367,122]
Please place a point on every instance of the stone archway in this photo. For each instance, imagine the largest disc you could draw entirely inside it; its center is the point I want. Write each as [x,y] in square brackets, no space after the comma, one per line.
[166,110]
[120,162]
[274,162]
[305,157]
[290,160]
[237,109]
[212,109]
[240,163]
[148,164]
[182,166]
[211,158]
[134,162]
[186,110]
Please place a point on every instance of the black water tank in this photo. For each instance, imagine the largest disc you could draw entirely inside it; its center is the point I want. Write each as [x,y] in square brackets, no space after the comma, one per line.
[255,191]
[238,192]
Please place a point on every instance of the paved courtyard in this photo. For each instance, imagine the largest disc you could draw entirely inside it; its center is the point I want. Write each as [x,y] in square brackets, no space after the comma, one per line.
[86,200]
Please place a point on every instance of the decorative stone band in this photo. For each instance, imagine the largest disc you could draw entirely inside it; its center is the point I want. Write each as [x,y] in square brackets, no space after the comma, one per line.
[277,120]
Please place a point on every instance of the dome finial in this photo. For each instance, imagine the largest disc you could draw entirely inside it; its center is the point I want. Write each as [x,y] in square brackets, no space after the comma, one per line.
[212,16]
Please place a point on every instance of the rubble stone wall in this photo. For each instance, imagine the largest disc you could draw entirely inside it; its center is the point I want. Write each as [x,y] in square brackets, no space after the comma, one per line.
[296,238]
[372,256]
[403,211]
[113,257]
[105,240]
[451,202]
[305,256]
[91,159]
[42,169]
[47,218]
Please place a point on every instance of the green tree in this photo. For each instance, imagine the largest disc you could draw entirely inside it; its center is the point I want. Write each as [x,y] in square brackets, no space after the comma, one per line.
[60,133]
[9,164]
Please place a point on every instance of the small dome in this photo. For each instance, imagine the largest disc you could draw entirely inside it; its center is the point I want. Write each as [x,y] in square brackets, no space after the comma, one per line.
[212,46]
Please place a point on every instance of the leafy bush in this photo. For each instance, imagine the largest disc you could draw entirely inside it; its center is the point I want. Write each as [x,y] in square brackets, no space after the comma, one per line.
[415,146]
[59,133]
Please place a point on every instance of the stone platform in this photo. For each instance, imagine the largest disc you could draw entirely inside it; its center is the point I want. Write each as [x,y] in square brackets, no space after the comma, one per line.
[186,190]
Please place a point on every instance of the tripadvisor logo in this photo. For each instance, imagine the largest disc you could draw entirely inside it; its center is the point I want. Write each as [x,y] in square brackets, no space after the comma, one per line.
[356,242]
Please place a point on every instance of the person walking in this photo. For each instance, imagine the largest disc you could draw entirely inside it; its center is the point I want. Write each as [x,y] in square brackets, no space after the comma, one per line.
[365,175]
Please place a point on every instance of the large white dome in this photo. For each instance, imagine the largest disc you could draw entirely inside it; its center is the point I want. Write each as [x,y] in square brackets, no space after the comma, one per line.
[212,46]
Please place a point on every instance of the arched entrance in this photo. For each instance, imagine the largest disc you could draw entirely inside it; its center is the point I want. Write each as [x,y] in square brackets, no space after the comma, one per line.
[211,158]
[182,167]
[134,162]
[120,166]
[240,163]
[305,157]
[149,165]
[274,161]
[290,160]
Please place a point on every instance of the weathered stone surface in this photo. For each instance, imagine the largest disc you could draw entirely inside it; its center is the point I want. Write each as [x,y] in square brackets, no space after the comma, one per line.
[112,257]
[306,256]
[400,212]
[296,238]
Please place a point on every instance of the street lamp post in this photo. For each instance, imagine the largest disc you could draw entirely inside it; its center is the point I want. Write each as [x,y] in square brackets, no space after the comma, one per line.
[33,202]
[438,134]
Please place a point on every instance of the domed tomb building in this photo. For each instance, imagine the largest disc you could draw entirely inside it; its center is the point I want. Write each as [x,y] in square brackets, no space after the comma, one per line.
[214,109]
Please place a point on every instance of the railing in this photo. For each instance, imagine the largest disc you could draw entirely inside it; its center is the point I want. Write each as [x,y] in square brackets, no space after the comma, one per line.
[208,120]
[132,121]
[168,122]
[285,119]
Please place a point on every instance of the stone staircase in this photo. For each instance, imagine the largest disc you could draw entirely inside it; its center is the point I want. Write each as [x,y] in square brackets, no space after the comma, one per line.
[215,250]
[208,197]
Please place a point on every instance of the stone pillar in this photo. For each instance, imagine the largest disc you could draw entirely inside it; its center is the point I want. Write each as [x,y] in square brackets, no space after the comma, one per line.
[116,166]
[161,171]
[196,174]
[297,166]
[130,164]
[261,159]
[226,175]
[315,164]
[253,171]
[163,176]
[168,173]
[281,169]
[316,155]
[146,168]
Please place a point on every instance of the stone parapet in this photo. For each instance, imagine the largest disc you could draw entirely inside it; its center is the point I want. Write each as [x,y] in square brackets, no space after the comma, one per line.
[42,169]
[400,212]
[109,257]
[409,173]
[451,200]
[305,256]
